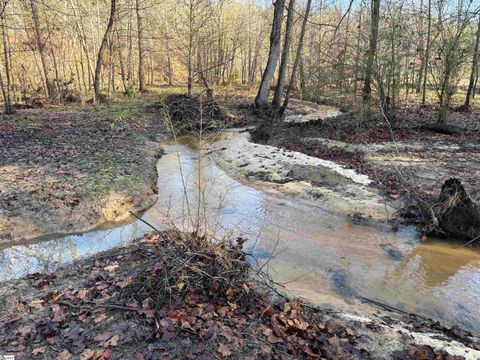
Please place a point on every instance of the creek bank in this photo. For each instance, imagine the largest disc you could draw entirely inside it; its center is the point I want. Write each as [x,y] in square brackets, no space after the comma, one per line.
[173,295]
[319,181]
[401,160]
[71,170]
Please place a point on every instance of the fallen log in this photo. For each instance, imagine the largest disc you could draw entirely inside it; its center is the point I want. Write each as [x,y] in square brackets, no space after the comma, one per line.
[442,128]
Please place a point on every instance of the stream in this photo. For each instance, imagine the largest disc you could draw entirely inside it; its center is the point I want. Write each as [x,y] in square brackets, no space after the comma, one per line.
[317,254]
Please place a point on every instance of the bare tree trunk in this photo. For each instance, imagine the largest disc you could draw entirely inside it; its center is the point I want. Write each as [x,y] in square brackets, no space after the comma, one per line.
[77,69]
[285,53]
[8,108]
[152,72]
[56,81]
[130,70]
[11,80]
[190,50]
[122,64]
[473,74]
[141,75]
[445,100]
[101,51]
[297,58]
[367,87]
[111,77]
[85,87]
[169,63]
[427,51]
[303,82]
[343,74]
[84,45]
[422,57]
[253,70]
[357,55]
[475,83]
[41,47]
[6,90]
[249,52]
[274,52]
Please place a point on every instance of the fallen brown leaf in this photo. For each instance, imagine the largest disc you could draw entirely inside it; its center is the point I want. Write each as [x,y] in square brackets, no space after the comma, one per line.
[39,350]
[64,355]
[103,337]
[223,350]
[87,354]
[100,318]
[113,341]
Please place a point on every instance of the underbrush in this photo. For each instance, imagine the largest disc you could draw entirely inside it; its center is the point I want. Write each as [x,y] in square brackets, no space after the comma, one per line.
[189,114]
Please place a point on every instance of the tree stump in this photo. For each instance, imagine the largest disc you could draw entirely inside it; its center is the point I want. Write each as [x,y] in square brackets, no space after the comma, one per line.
[456,213]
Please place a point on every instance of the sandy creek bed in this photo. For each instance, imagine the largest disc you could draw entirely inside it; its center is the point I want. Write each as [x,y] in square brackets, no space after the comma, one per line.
[318,254]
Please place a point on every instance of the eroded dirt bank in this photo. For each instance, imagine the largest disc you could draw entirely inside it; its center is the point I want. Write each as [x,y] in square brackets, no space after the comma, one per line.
[325,183]
[172,295]
[405,160]
[70,170]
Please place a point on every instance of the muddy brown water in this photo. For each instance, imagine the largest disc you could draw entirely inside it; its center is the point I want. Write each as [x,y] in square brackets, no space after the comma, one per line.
[316,254]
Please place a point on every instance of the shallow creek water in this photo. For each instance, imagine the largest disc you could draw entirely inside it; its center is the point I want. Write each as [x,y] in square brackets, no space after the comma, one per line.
[317,254]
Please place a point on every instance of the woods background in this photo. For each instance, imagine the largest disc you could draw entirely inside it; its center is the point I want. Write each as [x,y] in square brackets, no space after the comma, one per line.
[425,51]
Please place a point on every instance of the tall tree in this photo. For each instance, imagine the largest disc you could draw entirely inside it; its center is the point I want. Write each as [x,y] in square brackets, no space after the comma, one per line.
[421,47]
[452,54]
[6,87]
[141,75]
[277,98]
[297,57]
[473,72]
[101,51]
[41,48]
[427,51]
[262,96]
[372,51]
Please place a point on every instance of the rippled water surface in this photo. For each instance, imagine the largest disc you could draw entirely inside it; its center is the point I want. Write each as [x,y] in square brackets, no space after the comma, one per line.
[317,254]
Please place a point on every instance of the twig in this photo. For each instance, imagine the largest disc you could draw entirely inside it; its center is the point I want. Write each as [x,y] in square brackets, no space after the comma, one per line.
[108,306]
[145,222]
[471,241]
[389,307]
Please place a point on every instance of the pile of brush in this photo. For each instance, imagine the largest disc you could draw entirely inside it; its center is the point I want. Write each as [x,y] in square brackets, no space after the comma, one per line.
[192,113]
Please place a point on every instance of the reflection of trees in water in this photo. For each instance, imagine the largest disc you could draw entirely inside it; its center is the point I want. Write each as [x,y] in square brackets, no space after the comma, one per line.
[19,260]
[46,256]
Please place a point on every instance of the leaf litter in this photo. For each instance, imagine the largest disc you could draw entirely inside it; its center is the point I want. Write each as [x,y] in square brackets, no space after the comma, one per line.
[173,295]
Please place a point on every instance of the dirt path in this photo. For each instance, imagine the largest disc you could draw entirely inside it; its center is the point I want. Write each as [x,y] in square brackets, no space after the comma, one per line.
[70,170]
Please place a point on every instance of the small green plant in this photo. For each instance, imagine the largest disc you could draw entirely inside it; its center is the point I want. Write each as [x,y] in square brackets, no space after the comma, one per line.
[130,92]
[31,119]
[111,159]
[120,118]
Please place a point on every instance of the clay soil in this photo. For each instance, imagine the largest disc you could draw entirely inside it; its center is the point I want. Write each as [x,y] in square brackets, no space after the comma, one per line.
[69,169]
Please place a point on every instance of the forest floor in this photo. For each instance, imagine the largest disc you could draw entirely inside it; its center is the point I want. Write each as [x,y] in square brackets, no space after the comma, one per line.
[170,295]
[68,168]
[174,296]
